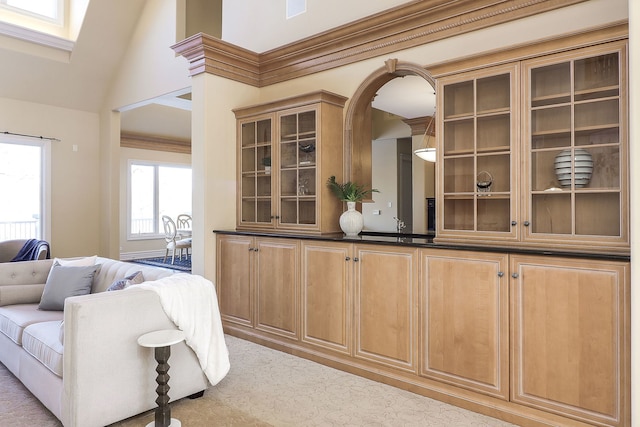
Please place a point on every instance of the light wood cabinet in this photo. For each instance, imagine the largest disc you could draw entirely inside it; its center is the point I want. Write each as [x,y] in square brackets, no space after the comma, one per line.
[287,150]
[327,295]
[464,338]
[570,346]
[258,285]
[576,144]
[479,164]
[386,305]
[545,169]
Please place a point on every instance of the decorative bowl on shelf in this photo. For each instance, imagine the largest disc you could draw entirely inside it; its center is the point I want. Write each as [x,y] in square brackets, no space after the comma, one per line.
[582,167]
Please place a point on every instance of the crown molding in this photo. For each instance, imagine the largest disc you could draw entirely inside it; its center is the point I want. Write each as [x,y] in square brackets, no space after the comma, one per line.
[413,24]
[146,142]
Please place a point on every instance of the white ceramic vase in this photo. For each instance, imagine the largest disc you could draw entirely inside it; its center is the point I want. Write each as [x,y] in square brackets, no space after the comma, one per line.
[351,221]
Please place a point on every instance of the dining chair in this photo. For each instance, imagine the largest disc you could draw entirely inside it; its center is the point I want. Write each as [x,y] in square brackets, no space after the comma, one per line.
[173,241]
[183,224]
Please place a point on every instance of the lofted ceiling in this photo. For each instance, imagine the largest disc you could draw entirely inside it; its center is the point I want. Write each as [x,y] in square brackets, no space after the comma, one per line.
[81,79]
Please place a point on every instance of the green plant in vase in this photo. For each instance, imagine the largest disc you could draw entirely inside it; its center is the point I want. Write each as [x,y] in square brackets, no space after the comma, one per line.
[349,191]
[351,221]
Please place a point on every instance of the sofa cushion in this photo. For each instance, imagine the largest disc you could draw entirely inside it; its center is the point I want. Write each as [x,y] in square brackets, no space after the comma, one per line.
[14,318]
[41,341]
[63,282]
[133,279]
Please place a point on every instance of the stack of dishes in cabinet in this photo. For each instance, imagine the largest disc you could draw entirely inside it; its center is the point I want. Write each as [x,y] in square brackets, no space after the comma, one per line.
[582,167]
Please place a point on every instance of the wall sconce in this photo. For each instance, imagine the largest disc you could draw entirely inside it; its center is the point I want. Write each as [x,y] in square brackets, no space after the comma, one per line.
[428,153]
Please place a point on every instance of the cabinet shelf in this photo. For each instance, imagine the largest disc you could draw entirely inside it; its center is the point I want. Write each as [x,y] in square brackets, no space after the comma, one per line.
[300,135]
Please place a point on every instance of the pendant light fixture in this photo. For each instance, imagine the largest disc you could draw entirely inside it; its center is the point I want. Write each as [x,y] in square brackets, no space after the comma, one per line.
[428,152]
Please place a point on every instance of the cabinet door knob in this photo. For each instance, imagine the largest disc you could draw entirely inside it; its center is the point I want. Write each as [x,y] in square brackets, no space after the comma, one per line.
[250,249]
[514,223]
[526,223]
[356,259]
[347,258]
[255,249]
[500,274]
[515,275]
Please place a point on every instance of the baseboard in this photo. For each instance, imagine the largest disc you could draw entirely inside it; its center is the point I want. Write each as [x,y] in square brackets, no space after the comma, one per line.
[127,256]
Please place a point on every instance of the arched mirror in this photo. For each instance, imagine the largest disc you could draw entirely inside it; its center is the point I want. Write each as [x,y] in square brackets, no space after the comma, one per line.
[387,120]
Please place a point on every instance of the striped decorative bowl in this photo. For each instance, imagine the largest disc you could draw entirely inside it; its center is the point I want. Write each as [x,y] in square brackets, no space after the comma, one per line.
[582,167]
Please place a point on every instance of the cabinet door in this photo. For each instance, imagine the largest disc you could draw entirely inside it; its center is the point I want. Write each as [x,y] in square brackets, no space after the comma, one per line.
[576,147]
[234,279]
[386,305]
[276,284]
[298,150]
[255,185]
[571,337]
[477,175]
[465,333]
[327,295]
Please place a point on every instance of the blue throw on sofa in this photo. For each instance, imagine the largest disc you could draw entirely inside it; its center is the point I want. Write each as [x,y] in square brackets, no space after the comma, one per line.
[31,249]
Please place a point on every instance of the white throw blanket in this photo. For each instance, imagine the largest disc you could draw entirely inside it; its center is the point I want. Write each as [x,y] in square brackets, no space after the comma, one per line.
[191,303]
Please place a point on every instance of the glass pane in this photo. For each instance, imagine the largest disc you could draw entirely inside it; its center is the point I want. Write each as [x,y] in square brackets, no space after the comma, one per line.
[494,133]
[494,93]
[494,214]
[599,73]
[496,171]
[307,124]
[543,175]
[606,168]
[248,134]
[248,159]
[551,84]
[307,212]
[288,127]
[551,121]
[307,154]
[288,183]
[551,213]
[458,137]
[598,214]
[598,113]
[249,210]
[288,155]
[459,176]
[174,191]
[263,211]
[20,182]
[46,8]
[142,199]
[263,132]
[307,182]
[289,211]
[248,186]
[458,214]
[458,99]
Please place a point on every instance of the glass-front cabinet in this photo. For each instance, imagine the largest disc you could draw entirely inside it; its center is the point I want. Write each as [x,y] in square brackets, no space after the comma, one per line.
[255,184]
[535,153]
[287,150]
[576,146]
[478,182]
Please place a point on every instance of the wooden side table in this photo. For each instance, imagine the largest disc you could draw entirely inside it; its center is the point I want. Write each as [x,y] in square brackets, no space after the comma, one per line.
[162,341]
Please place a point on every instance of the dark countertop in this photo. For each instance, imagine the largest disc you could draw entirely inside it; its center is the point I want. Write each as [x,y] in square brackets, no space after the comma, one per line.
[423,241]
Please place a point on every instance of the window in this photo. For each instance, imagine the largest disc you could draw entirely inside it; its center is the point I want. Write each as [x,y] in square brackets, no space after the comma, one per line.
[22,188]
[155,190]
[50,10]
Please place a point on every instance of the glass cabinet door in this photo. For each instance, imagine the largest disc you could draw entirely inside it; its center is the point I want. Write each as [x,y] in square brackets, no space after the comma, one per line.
[255,163]
[297,148]
[477,127]
[575,110]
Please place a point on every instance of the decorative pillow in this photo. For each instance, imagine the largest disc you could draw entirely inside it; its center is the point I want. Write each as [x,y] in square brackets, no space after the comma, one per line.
[63,282]
[76,262]
[134,279]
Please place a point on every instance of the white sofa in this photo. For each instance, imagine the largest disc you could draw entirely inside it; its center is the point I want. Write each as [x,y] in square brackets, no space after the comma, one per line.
[103,375]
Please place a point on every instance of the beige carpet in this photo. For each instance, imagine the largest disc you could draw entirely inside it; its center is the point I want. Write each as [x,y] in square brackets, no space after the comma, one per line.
[270,388]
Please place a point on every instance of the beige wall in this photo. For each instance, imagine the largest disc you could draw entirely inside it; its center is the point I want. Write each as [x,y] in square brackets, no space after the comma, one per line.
[74,175]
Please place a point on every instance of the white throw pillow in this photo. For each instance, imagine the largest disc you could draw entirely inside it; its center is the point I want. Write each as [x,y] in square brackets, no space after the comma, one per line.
[76,262]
